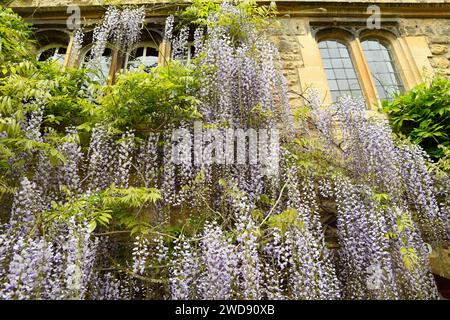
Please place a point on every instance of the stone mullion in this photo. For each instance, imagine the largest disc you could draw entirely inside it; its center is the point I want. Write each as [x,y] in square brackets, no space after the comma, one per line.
[362,68]
[69,51]
[164,52]
[117,63]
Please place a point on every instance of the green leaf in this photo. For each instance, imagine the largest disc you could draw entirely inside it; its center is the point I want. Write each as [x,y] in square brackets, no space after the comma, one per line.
[409,256]
[92,225]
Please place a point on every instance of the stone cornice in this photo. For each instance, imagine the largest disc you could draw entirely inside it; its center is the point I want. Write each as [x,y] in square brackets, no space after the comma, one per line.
[44,11]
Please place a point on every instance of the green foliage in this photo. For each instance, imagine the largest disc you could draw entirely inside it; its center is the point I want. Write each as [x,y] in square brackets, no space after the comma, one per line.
[230,188]
[409,256]
[423,116]
[131,197]
[261,17]
[286,220]
[14,39]
[382,198]
[146,101]
[89,209]
[122,205]
[23,81]
[130,206]
[404,222]
[198,11]
[66,91]
[308,155]
[442,167]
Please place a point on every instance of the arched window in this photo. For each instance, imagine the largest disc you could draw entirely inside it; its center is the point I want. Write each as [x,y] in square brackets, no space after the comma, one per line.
[186,55]
[53,53]
[100,66]
[146,56]
[190,52]
[385,76]
[341,74]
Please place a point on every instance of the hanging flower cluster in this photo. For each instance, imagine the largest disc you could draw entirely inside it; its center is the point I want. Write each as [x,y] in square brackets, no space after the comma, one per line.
[69,173]
[78,39]
[289,266]
[246,77]
[122,28]
[372,157]
[358,229]
[58,265]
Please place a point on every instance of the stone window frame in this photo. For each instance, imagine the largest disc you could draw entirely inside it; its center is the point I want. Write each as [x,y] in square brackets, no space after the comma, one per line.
[401,55]
[149,44]
[384,56]
[344,76]
[399,47]
[52,37]
[53,45]
[353,45]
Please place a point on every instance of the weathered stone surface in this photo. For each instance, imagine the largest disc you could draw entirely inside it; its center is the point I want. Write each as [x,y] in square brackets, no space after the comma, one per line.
[429,30]
[290,57]
[290,72]
[438,49]
[275,39]
[289,46]
[292,64]
[294,27]
[437,32]
[287,41]
[444,29]
[412,31]
[439,39]
[440,62]
[293,81]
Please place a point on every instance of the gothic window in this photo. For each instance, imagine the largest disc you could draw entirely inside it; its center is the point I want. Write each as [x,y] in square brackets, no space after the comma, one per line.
[385,76]
[100,67]
[144,56]
[339,68]
[53,53]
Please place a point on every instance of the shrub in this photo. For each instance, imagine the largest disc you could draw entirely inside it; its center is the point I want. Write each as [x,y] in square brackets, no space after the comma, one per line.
[144,101]
[14,38]
[423,116]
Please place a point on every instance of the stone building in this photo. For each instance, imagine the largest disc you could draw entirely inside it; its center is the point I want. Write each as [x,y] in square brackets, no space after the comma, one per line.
[365,48]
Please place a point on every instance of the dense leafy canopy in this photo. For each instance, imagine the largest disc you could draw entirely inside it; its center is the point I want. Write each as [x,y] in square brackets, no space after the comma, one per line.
[423,115]
[15,41]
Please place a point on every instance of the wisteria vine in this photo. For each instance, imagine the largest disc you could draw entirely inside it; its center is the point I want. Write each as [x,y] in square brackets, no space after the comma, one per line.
[360,230]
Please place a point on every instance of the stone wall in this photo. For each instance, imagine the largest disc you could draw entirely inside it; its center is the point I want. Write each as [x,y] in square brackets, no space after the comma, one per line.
[285,37]
[296,45]
[413,19]
[437,33]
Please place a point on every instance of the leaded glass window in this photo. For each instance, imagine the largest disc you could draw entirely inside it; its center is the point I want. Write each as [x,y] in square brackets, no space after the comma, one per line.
[341,74]
[142,56]
[56,53]
[385,76]
[100,66]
